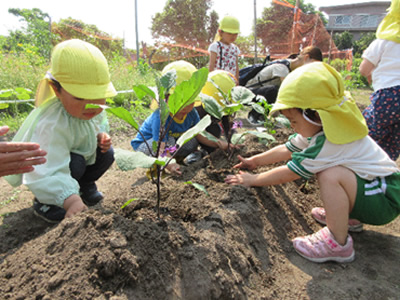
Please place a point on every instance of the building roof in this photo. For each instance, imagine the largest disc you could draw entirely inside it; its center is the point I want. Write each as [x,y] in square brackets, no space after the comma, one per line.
[330,8]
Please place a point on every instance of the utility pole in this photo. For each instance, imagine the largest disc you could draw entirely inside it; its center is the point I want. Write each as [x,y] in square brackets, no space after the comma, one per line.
[137,32]
[255,31]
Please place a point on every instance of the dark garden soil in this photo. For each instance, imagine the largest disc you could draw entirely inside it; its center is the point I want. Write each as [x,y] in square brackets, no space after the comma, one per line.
[234,243]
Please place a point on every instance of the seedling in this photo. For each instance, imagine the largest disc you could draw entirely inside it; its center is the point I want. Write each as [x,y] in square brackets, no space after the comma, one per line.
[169,103]
[233,101]
[198,186]
[128,202]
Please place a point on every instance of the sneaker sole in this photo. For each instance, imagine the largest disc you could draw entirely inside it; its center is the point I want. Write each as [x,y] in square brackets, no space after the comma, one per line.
[326,259]
[352,228]
[45,219]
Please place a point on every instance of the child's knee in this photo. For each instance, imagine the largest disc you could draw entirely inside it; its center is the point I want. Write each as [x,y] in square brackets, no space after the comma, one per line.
[337,174]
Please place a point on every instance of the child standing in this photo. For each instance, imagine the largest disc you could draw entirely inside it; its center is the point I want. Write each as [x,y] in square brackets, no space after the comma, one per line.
[78,149]
[356,177]
[185,119]
[223,53]
[381,65]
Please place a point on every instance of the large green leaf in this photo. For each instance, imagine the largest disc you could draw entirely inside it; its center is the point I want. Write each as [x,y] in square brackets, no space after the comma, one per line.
[141,91]
[209,136]
[212,106]
[123,114]
[186,92]
[168,80]
[188,135]
[230,109]
[283,120]
[264,137]
[225,97]
[238,138]
[242,95]
[258,108]
[129,160]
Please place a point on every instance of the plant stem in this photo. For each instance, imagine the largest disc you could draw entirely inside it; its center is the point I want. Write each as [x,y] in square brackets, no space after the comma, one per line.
[158,183]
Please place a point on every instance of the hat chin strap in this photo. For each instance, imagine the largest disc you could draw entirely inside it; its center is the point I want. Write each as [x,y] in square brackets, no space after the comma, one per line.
[311,121]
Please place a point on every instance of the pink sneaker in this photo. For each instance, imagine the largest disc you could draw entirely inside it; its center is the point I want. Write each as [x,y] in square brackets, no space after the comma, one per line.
[319,215]
[322,246]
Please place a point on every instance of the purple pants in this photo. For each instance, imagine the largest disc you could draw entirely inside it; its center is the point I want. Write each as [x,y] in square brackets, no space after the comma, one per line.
[383,119]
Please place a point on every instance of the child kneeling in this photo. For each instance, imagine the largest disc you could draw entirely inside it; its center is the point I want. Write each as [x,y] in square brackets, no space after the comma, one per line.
[357,179]
[79,150]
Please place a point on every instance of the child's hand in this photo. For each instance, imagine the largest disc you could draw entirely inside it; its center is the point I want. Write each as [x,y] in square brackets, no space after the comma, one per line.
[223,145]
[104,141]
[174,169]
[242,178]
[73,205]
[245,163]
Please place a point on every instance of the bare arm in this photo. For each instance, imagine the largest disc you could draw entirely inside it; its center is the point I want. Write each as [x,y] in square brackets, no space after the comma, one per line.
[274,155]
[366,68]
[213,59]
[237,70]
[275,176]
[220,144]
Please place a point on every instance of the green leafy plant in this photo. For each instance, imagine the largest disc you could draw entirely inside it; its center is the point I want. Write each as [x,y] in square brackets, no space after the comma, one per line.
[169,104]
[233,102]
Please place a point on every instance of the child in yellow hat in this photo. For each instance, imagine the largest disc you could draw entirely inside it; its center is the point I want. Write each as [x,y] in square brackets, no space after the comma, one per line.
[78,148]
[381,65]
[185,119]
[217,80]
[223,52]
[357,179]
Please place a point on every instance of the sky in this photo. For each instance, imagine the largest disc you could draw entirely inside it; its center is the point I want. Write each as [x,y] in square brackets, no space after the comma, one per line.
[117,17]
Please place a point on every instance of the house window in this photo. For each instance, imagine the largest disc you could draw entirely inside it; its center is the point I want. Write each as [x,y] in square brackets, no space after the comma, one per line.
[369,21]
[342,20]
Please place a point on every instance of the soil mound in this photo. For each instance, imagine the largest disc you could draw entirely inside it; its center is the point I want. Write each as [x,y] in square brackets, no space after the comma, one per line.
[229,243]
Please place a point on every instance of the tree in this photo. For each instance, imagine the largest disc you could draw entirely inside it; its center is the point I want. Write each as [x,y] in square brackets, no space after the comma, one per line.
[186,22]
[37,33]
[276,23]
[360,45]
[343,40]
[76,29]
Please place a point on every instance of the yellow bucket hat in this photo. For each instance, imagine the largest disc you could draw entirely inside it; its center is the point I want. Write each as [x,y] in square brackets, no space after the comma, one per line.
[184,71]
[81,69]
[229,24]
[320,87]
[389,28]
[221,79]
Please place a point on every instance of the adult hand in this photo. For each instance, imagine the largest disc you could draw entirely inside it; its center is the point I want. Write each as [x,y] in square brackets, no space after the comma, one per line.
[19,157]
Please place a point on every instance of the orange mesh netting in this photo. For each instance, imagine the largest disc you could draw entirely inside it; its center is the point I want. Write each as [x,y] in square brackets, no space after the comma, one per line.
[289,31]
[297,30]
